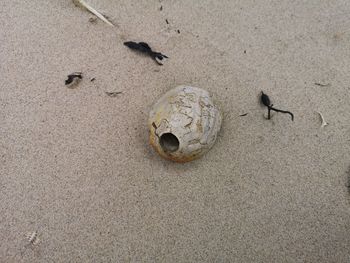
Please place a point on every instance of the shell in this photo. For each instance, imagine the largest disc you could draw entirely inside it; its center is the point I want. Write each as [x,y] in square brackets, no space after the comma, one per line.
[184,124]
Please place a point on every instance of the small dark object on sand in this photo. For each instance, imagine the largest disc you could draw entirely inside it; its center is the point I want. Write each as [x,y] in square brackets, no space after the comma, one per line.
[93,79]
[161,8]
[266,101]
[73,76]
[244,114]
[145,48]
[166,20]
[321,84]
[178,31]
[113,94]
[348,179]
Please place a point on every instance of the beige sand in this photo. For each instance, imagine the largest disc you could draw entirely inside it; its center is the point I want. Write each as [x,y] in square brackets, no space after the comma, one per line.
[76,165]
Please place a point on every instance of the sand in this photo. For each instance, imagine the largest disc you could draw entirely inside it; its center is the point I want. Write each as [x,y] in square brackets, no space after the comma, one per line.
[76,166]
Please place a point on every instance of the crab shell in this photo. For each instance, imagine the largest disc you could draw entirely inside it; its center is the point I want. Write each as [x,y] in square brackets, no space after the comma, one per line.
[184,124]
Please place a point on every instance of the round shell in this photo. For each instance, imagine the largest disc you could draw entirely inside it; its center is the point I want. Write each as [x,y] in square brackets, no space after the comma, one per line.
[184,124]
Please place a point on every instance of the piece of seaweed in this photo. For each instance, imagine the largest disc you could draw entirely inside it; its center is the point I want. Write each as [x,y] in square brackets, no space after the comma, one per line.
[145,48]
[267,102]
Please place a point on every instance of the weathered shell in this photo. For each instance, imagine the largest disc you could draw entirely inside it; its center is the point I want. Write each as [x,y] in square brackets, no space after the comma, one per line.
[184,124]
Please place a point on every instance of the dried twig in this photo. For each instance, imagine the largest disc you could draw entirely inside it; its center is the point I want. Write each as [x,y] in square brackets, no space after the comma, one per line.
[321,84]
[324,123]
[84,5]
[113,94]
[348,179]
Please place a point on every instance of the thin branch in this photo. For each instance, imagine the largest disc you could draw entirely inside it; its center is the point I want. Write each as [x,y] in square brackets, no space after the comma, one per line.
[84,5]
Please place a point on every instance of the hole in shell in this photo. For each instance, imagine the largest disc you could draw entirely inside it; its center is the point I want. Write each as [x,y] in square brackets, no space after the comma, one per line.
[169,142]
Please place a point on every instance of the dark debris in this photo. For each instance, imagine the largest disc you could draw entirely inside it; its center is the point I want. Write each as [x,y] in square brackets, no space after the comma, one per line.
[113,94]
[145,48]
[266,101]
[322,84]
[74,76]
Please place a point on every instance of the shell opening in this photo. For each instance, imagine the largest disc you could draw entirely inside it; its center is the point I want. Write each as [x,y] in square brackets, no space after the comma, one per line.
[169,142]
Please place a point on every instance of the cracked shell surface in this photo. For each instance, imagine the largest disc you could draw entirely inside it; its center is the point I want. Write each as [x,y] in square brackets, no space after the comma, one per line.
[184,124]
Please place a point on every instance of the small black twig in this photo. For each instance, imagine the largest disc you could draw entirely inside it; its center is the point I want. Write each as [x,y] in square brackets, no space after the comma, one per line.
[321,84]
[113,94]
[266,101]
[348,179]
[244,114]
[145,48]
